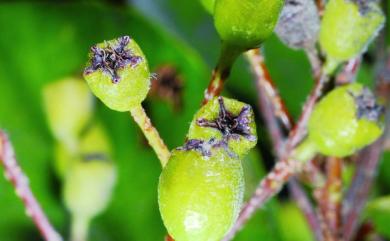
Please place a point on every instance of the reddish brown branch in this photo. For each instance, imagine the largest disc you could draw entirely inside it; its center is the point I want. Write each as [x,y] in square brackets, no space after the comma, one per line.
[266,86]
[284,169]
[15,175]
[329,199]
[306,206]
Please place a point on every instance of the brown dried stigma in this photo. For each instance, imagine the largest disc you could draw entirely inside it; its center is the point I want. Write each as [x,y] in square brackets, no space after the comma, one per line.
[367,106]
[112,57]
[230,125]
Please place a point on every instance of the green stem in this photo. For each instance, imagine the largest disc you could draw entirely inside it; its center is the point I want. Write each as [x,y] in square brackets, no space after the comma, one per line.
[330,66]
[305,151]
[79,228]
[221,72]
[151,134]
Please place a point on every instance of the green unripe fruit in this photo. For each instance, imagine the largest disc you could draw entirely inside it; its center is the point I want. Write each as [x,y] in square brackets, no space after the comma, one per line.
[225,119]
[63,159]
[200,192]
[345,120]
[118,73]
[348,27]
[88,186]
[95,139]
[208,5]
[246,23]
[69,106]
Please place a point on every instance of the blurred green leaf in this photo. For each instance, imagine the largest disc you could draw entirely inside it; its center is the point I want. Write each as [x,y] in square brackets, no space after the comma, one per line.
[378,210]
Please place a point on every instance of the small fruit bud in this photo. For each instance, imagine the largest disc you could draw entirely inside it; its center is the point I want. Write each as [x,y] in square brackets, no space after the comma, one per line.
[299,24]
[245,24]
[345,120]
[118,73]
[225,119]
[208,5]
[200,191]
[348,26]
[69,106]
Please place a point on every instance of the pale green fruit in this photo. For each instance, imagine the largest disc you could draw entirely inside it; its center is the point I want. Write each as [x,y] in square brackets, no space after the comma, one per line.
[199,194]
[208,5]
[246,23]
[345,120]
[118,73]
[348,28]
[88,186]
[95,139]
[237,126]
[69,105]
[63,159]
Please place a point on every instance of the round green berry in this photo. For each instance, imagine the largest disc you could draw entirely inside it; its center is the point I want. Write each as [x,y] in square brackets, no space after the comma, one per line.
[246,23]
[118,73]
[200,192]
[345,120]
[226,119]
[348,27]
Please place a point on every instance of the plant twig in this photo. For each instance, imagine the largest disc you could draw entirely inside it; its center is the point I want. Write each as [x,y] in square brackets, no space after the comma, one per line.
[306,206]
[284,168]
[266,86]
[330,198]
[269,100]
[221,72]
[19,180]
[151,134]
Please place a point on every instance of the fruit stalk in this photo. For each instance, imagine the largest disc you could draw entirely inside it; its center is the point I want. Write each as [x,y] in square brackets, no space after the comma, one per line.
[79,228]
[19,180]
[151,134]
[221,72]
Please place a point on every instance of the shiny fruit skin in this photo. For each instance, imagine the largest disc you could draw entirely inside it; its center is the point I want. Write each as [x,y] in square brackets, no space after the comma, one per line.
[334,126]
[200,196]
[346,31]
[246,23]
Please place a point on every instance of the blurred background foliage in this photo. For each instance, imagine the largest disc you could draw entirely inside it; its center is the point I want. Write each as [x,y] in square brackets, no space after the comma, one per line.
[44,42]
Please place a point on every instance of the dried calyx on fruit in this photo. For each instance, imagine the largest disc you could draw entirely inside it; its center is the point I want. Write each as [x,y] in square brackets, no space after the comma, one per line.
[228,120]
[345,120]
[298,24]
[348,26]
[201,188]
[118,73]
[246,24]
